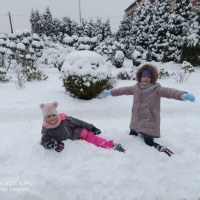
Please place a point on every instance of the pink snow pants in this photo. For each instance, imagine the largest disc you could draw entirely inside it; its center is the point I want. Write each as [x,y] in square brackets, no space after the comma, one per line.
[99,142]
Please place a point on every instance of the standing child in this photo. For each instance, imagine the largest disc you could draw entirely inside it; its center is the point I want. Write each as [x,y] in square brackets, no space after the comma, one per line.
[145,120]
[58,127]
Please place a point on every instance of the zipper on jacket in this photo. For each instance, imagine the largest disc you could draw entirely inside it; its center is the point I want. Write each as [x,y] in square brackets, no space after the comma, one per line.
[67,132]
[139,108]
[152,113]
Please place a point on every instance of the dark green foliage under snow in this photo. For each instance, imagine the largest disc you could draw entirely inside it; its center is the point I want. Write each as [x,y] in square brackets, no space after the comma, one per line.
[163,73]
[22,49]
[156,31]
[191,43]
[81,89]
[157,37]
[86,74]
[32,73]
[191,54]
[58,29]
[126,74]
[124,35]
[178,27]
[141,23]
[3,76]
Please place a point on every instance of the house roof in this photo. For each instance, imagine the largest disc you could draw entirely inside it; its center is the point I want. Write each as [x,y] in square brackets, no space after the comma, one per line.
[132,4]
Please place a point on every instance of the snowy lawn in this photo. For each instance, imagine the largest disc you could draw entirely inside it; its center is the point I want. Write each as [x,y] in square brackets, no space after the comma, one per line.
[83,171]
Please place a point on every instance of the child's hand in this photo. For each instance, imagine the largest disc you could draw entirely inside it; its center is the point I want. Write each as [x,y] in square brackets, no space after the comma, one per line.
[96,131]
[106,93]
[50,145]
[188,96]
[60,146]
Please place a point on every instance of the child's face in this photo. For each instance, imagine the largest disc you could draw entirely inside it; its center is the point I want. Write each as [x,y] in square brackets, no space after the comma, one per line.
[146,80]
[52,119]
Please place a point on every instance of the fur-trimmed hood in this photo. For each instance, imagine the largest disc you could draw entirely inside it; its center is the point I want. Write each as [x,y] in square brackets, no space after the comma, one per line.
[153,69]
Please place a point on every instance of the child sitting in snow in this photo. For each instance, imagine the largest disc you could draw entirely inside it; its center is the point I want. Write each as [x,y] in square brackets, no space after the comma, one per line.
[58,127]
[145,120]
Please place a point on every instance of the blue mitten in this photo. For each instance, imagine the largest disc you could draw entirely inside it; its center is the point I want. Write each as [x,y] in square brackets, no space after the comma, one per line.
[106,93]
[188,96]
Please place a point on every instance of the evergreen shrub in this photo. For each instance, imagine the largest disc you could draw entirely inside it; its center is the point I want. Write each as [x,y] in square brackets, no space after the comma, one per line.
[3,76]
[187,67]
[85,74]
[191,54]
[136,62]
[127,74]
[136,56]
[32,73]
[163,73]
[86,86]
[118,59]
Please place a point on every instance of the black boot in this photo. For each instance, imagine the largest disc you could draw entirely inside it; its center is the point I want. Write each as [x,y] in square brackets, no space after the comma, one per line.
[149,141]
[163,149]
[132,132]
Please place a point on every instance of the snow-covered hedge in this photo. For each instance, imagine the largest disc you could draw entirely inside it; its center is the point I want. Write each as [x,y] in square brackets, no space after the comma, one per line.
[86,74]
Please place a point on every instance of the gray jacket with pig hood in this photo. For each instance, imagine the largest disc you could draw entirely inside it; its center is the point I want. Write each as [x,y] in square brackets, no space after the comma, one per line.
[146,102]
[69,128]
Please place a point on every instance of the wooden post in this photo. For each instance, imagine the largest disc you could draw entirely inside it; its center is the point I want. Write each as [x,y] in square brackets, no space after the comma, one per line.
[10,22]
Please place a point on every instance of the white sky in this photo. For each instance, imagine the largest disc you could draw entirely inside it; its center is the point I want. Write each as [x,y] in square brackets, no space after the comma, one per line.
[20,11]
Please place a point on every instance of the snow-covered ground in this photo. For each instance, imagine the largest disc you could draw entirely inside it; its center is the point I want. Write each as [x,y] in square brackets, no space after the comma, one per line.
[83,171]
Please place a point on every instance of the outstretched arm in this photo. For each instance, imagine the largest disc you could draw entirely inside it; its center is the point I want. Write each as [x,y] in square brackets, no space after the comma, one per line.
[119,91]
[172,93]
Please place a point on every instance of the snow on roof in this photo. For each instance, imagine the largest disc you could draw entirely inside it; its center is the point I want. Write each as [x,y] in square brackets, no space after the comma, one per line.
[131,5]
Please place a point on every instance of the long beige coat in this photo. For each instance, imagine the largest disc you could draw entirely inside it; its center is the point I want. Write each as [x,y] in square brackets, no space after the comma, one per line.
[146,105]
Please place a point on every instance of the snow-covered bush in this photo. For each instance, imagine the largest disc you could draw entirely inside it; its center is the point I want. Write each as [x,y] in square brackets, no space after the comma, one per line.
[68,40]
[108,48]
[127,74]
[28,49]
[185,73]
[183,76]
[86,43]
[163,73]
[136,56]
[80,43]
[54,54]
[85,74]
[187,67]
[2,53]
[191,43]
[149,56]
[32,73]
[21,48]
[118,59]
[3,75]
